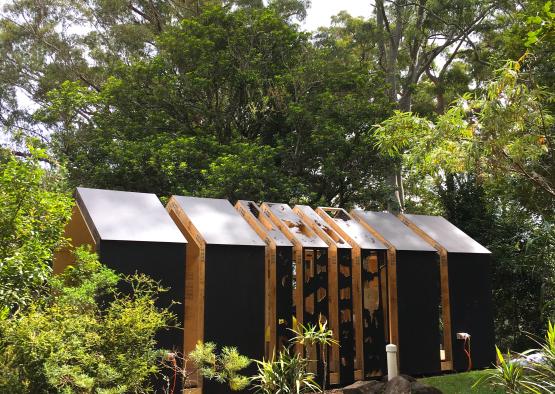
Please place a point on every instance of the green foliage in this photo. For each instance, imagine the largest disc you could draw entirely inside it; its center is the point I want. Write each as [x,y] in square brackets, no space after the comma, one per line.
[312,334]
[232,100]
[315,335]
[285,374]
[507,375]
[247,171]
[542,371]
[502,133]
[531,372]
[546,23]
[69,341]
[223,367]
[33,212]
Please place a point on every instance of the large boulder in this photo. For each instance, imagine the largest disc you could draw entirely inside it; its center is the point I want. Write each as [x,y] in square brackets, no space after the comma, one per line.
[398,385]
[364,387]
[421,388]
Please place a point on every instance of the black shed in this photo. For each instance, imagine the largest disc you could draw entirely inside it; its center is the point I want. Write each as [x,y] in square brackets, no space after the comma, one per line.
[131,232]
[369,284]
[466,287]
[279,271]
[413,292]
[225,277]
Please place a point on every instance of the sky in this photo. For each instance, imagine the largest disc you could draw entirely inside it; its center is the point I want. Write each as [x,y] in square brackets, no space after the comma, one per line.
[321,11]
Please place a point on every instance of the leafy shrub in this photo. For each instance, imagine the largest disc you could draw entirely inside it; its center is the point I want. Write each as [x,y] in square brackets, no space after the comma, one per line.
[33,212]
[531,372]
[542,369]
[83,336]
[223,367]
[311,335]
[288,373]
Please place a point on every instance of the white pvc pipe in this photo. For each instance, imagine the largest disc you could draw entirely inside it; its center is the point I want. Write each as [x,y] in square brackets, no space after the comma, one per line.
[392,370]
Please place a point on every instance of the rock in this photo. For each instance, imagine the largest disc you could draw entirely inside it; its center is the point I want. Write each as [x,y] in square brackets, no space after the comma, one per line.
[364,387]
[408,377]
[398,385]
[421,388]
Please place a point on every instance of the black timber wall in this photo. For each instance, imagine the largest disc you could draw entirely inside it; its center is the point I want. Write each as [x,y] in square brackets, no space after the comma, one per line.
[315,295]
[346,329]
[163,262]
[373,323]
[418,292]
[234,303]
[284,294]
[471,308]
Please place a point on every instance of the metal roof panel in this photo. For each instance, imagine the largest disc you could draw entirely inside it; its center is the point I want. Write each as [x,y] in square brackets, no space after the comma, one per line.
[448,235]
[127,216]
[355,230]
[393,230]
[218,221]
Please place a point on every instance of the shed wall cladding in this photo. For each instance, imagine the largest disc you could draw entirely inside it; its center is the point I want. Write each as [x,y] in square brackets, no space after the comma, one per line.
[132,232]
[279,270]
[469,279]
[414,312]
[374,311]
[225,279]
[311,251]
[340,293]
[310,287]
[369,282]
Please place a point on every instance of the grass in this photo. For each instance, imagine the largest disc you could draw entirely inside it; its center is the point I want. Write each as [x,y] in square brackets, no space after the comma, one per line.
[460,383]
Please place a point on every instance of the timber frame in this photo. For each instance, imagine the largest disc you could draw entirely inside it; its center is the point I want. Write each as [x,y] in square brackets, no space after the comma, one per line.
[225,281]
[308,250]
[392,309]
[194,286]
[414,292]
[362,243]
[80,233]
[447,363]
[276,323]
[338,250]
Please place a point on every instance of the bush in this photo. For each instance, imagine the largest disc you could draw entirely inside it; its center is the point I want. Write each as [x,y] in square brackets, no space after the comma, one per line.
[531,372]
[83,336]
[288,373]
[33,212]
[223,367]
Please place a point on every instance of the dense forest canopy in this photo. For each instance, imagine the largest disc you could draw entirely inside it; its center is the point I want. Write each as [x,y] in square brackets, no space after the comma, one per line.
[439,107]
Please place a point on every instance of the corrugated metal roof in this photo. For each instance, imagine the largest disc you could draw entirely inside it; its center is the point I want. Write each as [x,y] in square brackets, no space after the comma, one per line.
[393,230]
[269,227]
[218,222]
[355,230]
[448,235]
[127,216]
[331,233]
[296,226]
